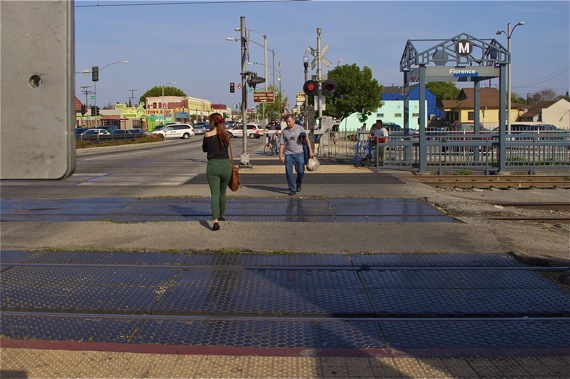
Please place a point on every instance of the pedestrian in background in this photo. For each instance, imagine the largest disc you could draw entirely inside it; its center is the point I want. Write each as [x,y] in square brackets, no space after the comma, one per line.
[291,152]
[363,133]
[380,135]
[219,170]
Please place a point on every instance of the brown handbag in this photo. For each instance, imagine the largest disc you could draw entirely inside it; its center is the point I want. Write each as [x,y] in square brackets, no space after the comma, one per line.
[234,179]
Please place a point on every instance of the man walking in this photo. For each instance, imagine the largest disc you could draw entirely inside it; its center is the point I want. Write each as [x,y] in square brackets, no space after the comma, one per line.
[291,152]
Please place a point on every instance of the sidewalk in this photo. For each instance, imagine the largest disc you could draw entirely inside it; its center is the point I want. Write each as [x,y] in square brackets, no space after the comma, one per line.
[471,233]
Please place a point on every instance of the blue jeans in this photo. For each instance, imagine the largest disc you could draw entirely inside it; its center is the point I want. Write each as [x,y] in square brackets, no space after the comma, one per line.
[298,160]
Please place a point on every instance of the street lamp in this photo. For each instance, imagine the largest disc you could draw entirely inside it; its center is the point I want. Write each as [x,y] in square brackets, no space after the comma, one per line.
[95,88]
[163,107]
[509,34]
[244,52]
[306,66]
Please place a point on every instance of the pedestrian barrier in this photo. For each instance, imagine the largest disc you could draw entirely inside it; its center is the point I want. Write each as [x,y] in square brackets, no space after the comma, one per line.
[456,151]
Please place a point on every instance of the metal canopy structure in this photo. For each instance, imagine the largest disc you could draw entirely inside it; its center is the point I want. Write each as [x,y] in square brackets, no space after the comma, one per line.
[462,58]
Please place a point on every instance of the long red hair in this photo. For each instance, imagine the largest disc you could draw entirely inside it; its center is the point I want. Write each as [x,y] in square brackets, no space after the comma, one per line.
[217,122]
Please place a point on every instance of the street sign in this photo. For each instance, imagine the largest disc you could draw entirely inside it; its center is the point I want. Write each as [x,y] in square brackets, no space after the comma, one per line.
[264,97]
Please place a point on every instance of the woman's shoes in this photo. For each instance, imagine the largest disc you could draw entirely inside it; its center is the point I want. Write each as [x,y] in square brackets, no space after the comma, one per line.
[216,226]
[222,218]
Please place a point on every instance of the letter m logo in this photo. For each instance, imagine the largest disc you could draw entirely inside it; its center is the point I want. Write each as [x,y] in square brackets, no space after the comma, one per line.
[463,47]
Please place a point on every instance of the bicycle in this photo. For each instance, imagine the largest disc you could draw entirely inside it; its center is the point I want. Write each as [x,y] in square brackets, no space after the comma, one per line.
[271,147]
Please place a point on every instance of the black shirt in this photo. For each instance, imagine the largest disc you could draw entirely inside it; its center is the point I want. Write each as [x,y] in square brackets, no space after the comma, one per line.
[211,146]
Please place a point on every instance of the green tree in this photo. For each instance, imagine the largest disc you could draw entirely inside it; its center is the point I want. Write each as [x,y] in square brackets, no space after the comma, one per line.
[356,92]
[443,90]
[156,91]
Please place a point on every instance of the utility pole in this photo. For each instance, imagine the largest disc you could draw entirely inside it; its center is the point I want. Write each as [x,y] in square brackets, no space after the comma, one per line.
[319,77]
[86,92]
[132,96]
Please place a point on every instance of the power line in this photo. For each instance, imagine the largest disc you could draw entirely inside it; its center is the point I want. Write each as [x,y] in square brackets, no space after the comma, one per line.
[543,79]
[207,2]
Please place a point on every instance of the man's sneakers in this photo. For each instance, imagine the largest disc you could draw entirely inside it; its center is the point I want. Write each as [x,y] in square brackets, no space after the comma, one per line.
[298,188]
[291,193]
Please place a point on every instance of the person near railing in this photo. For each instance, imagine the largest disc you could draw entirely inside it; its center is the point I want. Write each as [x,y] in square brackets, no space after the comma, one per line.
[379,136]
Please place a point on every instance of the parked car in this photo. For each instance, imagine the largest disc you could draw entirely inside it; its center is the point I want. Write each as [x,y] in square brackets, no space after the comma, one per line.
[201,127]
[432,133]
[253,131]
[232,124]
[465,127]
[80,131]
[158,127]
[137,132]
[184,131]
[120,132]
[109,128]
[529,130]
[96,132]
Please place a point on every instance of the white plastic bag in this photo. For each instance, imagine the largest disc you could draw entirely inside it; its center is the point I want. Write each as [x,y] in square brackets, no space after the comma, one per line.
[313,164]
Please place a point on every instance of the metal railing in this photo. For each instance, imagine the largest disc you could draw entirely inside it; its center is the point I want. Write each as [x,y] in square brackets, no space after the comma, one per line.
[447,151]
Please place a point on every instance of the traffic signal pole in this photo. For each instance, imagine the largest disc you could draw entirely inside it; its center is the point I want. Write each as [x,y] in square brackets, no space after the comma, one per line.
[244,161]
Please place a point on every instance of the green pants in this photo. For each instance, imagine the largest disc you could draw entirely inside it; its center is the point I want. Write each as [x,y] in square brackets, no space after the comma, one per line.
[218,173]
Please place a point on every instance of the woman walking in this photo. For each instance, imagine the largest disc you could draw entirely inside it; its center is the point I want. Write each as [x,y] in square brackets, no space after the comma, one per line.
[219,170]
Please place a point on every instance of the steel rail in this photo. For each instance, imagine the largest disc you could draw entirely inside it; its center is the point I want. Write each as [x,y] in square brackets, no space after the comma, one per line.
[279,318]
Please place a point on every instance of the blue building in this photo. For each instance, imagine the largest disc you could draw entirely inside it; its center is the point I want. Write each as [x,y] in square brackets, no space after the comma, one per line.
[397,93]
[392,109]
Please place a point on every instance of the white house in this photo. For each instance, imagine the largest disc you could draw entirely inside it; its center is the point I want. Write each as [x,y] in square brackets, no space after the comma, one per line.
[556,113]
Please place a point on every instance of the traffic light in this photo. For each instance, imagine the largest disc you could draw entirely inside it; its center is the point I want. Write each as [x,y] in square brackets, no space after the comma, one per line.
[83,109]
[329,87]
[94,111]
[95,73]
[232,87]
[253,80]
[311,87]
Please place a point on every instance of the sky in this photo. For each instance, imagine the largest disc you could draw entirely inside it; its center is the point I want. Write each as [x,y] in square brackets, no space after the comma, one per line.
[185,41]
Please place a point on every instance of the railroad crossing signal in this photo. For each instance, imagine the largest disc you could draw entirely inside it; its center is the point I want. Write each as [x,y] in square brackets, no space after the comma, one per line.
[322,58]
[328,87]
[311,87]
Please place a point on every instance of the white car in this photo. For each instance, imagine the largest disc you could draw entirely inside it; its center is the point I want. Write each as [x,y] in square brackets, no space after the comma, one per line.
[253,131]
[176,131]
[95,132]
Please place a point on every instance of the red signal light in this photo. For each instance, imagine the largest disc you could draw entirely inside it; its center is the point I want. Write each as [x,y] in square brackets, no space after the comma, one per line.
[329,87]
[311,87]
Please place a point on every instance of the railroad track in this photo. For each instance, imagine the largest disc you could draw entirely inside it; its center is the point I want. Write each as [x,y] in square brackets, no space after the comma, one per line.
[495,181]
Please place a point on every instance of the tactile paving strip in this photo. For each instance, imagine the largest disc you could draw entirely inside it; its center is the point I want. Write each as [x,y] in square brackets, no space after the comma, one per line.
[241,209]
